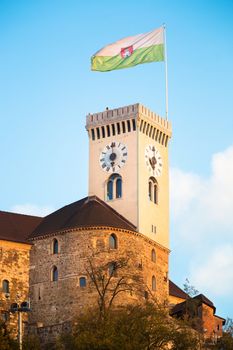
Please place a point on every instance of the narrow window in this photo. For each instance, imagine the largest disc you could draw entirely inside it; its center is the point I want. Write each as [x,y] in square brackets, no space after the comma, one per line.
[118,188]
[110,190]
[108,130]
[55,246]
[93,134]
[103,131]
[153,133]
[150,190]
[153,255]
[82,282]
[134,125]
[113,129]
[123,127]
[160,135]
[163,139]
[128,125]
[144,127]
[5,286]
[141,125]
[113,241]
[118,128]
[153,283]
[153,190]
[147,129]
[54,274]
[112,268]
[98,133]
[151,128]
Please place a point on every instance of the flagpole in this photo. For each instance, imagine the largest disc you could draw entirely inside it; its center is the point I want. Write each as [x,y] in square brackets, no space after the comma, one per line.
[165,62]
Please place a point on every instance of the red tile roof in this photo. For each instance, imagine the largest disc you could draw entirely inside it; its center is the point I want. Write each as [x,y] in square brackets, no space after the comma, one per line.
[87,212]
[16,227]
[176,291]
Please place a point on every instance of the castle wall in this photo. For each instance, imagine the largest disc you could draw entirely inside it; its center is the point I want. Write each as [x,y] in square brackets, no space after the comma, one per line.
[14,262]
[56,302]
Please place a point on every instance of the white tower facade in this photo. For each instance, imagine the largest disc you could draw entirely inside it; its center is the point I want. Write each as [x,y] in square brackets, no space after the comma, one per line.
[128,166]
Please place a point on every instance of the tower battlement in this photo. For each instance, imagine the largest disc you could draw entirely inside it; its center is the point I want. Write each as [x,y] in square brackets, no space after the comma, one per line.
[136,111]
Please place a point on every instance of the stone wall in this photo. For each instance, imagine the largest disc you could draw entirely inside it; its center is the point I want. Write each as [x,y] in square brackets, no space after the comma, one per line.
[173,300]
[56,302]
[208,319]
[14,262]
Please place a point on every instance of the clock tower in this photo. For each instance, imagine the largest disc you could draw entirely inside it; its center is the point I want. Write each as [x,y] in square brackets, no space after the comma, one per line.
[128,166]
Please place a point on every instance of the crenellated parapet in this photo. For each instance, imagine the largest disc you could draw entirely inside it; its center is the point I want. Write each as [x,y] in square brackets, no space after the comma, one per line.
[127,119]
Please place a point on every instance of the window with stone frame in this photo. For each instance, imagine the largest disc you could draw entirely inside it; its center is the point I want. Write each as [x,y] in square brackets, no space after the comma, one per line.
[153,283]
[153,255]
[6,286]
[114,187]
[55,246]
[113,241]
[112,268]
[153,190]
[54,274]
[82,282]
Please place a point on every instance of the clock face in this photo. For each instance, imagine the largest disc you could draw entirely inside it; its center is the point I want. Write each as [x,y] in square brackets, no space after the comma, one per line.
[113,157]
[153,160]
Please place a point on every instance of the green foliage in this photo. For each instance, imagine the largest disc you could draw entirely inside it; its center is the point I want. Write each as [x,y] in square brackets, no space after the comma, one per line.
[189,289]
[6,341]
[132,328]
[225,343]
[31,343]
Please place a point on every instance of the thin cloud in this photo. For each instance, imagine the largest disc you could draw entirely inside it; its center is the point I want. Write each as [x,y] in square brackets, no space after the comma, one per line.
[215,274]
[32,209]
[202,219]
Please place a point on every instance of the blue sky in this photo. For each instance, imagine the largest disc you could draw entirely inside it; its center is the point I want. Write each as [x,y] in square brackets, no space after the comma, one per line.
[47,88]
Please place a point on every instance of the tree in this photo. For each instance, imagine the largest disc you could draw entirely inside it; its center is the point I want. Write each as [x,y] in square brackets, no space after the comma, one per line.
[190,289]
[6,341]
[226,342]
[110,280]
[146,327]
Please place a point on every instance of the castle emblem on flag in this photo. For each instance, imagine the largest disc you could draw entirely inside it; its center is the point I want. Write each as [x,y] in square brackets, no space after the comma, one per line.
[127,51]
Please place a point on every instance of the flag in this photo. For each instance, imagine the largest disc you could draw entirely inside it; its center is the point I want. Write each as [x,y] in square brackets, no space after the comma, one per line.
[130,51]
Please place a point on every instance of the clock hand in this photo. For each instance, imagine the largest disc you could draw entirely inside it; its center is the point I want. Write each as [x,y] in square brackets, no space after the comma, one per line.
[113,155]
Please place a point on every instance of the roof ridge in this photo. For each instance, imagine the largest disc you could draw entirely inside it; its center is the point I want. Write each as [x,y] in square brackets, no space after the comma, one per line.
[103,203]
[21,214]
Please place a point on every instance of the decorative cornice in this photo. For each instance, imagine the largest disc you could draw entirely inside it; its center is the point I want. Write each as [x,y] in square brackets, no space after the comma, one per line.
[95,228]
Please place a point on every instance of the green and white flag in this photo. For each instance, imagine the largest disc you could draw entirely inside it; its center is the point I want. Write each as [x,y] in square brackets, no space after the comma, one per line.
[130,51]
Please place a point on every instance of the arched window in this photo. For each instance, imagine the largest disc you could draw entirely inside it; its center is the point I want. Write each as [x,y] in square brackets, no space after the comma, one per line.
[82,282]
[5,286]
[118,187]
[153,255]
[153,283]
[110,190]
[113,241]
[54,274]
[55,246]
[153,190]
[112,268]
[114,187]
